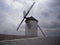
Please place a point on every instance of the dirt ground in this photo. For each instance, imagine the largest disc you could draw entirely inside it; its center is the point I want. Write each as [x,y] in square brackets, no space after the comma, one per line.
[9,37]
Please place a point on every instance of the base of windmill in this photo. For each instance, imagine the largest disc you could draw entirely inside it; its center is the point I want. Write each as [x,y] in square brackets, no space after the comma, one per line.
[31,26]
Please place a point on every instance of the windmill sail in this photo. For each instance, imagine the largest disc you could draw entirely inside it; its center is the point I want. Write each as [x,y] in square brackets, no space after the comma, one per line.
[26,14]
[20,24]
[42,31]
[30,9]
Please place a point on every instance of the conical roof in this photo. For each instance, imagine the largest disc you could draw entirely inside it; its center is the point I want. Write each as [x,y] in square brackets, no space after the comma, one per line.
[31,18]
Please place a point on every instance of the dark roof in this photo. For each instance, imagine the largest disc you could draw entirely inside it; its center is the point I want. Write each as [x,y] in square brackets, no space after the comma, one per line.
[31,18]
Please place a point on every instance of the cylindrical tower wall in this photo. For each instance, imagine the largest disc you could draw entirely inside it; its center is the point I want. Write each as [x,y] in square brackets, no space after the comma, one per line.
[31,28]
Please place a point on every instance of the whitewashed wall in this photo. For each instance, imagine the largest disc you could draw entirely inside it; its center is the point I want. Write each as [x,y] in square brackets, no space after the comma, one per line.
[31,28]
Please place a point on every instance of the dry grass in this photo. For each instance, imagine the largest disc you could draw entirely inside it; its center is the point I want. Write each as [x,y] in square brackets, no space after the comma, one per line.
[9,37]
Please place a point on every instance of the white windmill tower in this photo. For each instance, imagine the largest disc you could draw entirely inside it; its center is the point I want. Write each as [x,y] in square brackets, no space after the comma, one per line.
[31,24]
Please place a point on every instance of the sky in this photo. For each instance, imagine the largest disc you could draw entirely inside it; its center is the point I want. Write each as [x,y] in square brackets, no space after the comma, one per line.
[47,12]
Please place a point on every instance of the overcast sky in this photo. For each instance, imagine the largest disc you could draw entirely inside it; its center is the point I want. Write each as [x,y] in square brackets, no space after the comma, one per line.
[47,12]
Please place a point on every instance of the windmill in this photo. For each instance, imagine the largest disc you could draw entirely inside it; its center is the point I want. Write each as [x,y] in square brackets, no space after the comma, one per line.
[31,26]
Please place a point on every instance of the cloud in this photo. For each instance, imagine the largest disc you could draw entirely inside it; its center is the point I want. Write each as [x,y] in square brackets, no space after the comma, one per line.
[14,4]
[53,32]
[53,25]
[9,18]
[58,16]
